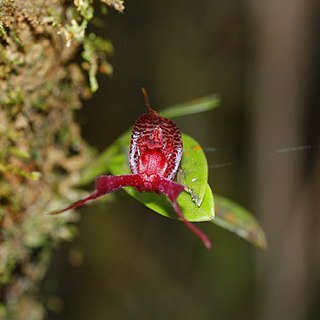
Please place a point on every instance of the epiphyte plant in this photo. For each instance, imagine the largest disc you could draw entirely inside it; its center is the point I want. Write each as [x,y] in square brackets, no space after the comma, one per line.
[154,158]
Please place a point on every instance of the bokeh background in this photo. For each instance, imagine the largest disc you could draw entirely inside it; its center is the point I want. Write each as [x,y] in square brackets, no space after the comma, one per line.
[263,58]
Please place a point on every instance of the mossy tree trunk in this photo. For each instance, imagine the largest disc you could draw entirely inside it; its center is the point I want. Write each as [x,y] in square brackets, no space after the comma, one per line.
[41,150]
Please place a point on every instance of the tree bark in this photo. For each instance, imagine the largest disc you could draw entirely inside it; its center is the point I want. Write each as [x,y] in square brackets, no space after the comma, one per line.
[41,150]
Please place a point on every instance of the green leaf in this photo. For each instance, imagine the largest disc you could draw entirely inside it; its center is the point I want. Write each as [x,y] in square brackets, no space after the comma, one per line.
[193,172]
[194,106]
[238,220]
[100,165]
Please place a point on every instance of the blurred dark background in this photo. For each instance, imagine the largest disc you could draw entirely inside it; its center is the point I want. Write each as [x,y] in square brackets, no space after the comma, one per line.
[263,58]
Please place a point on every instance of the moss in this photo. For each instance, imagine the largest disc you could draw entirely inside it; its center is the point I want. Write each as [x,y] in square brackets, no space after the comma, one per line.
[41,149]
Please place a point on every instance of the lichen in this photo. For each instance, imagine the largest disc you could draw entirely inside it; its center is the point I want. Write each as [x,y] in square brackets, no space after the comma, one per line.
[41,149]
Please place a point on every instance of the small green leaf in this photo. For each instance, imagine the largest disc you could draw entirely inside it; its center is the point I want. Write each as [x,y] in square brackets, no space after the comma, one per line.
[194,106]
[119,165]
[236,219]
[193,172]
[102,164]
[99,165]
